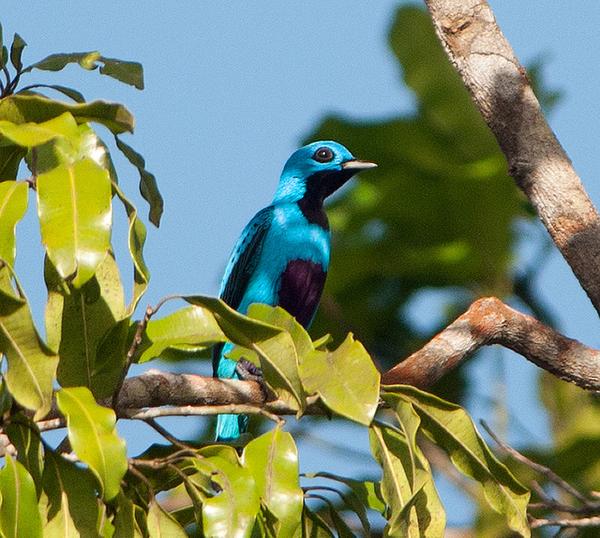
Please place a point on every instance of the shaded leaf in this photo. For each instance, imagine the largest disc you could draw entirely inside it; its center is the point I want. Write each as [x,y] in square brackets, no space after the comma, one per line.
[148,186]
[130,73]
[94,438]
[16,51]
[56,62]
[451,428]
[125,520]
[74,206]
[192,325]
[272,459]
[135,241]
[65,90]
[77,320]
[72,507]
[31,365]
[37,109]
[13,204]
[313,525]
[10,159]
[19,515]
[26,438]
[346,380]
[161,524]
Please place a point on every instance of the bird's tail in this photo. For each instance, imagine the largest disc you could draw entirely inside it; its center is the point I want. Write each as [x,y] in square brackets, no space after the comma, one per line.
[229,427]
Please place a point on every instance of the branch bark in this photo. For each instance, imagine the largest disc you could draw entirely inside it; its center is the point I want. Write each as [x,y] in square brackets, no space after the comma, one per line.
[501,91]
[489,321]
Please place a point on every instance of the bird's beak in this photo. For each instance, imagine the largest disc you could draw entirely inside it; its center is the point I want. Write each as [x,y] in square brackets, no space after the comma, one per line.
[356,164]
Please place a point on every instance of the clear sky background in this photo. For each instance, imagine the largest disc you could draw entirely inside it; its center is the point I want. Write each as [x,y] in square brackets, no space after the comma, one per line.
[231,90]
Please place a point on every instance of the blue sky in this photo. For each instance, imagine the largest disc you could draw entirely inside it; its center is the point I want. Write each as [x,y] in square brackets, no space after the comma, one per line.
[231,89]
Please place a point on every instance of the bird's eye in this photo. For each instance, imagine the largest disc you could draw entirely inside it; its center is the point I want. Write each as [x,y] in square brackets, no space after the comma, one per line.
[323,155]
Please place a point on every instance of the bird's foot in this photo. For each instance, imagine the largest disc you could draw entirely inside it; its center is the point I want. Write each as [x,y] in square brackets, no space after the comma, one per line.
[248,371]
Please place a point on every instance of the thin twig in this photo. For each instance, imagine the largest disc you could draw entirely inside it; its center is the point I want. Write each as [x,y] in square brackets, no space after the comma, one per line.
[584,522]
[167,435]
[542,469]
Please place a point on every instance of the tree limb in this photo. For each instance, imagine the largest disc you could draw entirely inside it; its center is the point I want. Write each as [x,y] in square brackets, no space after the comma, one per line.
[489,321]
[501,91]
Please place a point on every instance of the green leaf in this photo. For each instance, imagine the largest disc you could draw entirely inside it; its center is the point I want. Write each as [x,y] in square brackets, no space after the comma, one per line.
[31,365]
[192,325]
[26,438]
[130,73]
[13,204]
[33,134]
[77,320]
[161,524]
[272,459]
[10,159]
[56,62]
[19,514]
[346,380]
[125,520]
[69,92]
[313,526]
[74,206]
[94,438]
[136,240]
[37,109]
[231,511]
[72,507]
[451,428]
[16,51]
[148,186]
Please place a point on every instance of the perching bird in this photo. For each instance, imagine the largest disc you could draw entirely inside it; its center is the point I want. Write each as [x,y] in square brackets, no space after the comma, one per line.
[282,256]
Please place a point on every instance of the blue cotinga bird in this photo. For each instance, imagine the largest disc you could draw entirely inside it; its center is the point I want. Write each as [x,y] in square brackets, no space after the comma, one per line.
[282,256]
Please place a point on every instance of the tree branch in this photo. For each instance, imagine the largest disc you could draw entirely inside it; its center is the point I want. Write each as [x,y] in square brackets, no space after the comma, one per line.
[489,321]
[501,91]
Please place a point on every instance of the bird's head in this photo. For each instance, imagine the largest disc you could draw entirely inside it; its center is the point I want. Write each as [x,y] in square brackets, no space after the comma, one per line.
[316,171]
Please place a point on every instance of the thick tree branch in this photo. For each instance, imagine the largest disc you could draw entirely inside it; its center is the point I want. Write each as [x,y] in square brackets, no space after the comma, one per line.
[489,321]
[501,91]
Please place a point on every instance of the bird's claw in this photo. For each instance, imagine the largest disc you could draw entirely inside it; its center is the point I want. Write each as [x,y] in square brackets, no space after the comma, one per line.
[248,371]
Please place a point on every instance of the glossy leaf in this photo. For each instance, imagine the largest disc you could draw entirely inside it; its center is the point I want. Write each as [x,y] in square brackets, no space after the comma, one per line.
[72,507]
[136,240]
[37,108]
[19,514]
[451,428]
[346,380]
[31,365]
[16,51]
[192,325]
[13,204]
[74,206]
[77,321]
[272,459]
[148,186]
[33,134]
[232,510]
[94,438]
[161,524]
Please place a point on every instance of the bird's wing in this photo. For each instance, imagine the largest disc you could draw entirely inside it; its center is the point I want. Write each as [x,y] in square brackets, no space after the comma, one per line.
[242,264]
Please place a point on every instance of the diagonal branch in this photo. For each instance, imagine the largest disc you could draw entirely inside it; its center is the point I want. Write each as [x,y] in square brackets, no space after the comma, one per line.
[501,91]
[489,321]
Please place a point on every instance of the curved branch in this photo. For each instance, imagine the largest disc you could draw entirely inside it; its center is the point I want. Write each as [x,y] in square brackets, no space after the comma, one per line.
[489,321]
[501,91]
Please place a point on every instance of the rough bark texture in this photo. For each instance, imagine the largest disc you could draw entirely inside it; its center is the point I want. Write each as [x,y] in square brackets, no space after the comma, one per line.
[489,321]
[500,89]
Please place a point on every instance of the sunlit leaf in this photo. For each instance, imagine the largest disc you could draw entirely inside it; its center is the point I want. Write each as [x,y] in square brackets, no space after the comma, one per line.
[13,204]
[191,325]
[346,380]
[272,459]
[33,134]
[451,428]
[161,524]
[37,109]
[31,365]
[19,514]
[148,185]
[74,206]
[94,438]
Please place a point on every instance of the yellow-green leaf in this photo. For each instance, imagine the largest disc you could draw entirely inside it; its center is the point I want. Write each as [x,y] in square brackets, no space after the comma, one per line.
[33,134]
[272,459]
[19,514]
[94,437]
[74,206]
[13,204]
[161,524]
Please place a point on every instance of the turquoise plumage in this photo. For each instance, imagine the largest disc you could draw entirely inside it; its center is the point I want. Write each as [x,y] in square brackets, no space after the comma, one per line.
[282,255]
